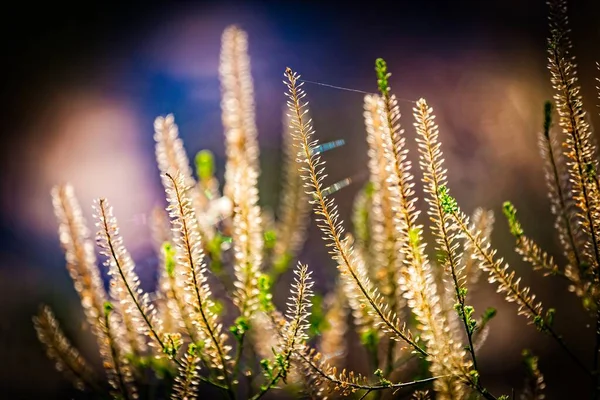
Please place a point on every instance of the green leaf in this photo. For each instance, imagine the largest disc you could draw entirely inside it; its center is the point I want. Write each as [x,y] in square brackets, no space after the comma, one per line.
[382,76]
[474,376]
[205,164]
[108,307]
[172,342]
[369,339]
[265,297]
[510,212]
[214,250]
[414,237]
[283,263]
[267,368]
[217,307]
[317,317]
[169,254]
[487,315]
[270,238]
[239,327]
[447,202]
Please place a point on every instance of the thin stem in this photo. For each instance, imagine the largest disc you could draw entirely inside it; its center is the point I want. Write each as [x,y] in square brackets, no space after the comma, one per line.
[187,383]
[359,386]
[577,148]
[460,298]
[564,346]
[563,206]
[115,258]
[483,391]
[290,345]
[215,384]
[374,353]
[181,307]
[134,298]
[197,290]
[115,357]
[282,371]
[267,387]
[331,225]
[443,227]
[238,355]
[521,300]
[390,357]
[190,329]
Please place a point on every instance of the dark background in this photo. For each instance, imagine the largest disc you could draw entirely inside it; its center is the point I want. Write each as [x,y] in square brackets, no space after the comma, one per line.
[83,83]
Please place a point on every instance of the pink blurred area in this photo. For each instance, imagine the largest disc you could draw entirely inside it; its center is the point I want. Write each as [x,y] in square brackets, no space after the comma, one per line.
[95,146]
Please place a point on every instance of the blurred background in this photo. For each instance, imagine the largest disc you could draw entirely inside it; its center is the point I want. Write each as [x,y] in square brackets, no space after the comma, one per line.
[84,81]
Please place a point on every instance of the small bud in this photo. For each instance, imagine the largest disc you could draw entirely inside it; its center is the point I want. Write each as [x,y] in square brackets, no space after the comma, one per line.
[510,212]
[108,307]
[205,164]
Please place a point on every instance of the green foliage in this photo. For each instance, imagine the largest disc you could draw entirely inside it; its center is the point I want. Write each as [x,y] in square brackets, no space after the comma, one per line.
[217,307]
[214,249]
[414,237]
[466,313]
[448,203]
[531,362]
[382,76]
[361,214]
[590,171]
[268,369]
[205,164]
[265,297]
[382,379]
[544,323]
[136,340]
[239,327]
[317,317]
[550,317]
[282,263]
[487,316]
[172,343]
[510,212]
[270,238]
[108,308]
[474,376]
[169,253]
[369,339]
[283,364]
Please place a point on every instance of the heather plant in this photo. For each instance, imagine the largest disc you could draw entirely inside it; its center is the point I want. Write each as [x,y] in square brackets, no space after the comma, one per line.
[211,325]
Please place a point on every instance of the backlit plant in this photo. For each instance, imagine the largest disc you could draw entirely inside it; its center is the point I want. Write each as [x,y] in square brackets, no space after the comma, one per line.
[404,304]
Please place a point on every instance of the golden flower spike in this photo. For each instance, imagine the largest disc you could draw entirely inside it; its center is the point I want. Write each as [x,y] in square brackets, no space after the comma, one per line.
[294,209]
[67,358]
[237,104]
[327,216]
[139,314]
[81,263]
[192,275]
[187,381]
[579,148]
